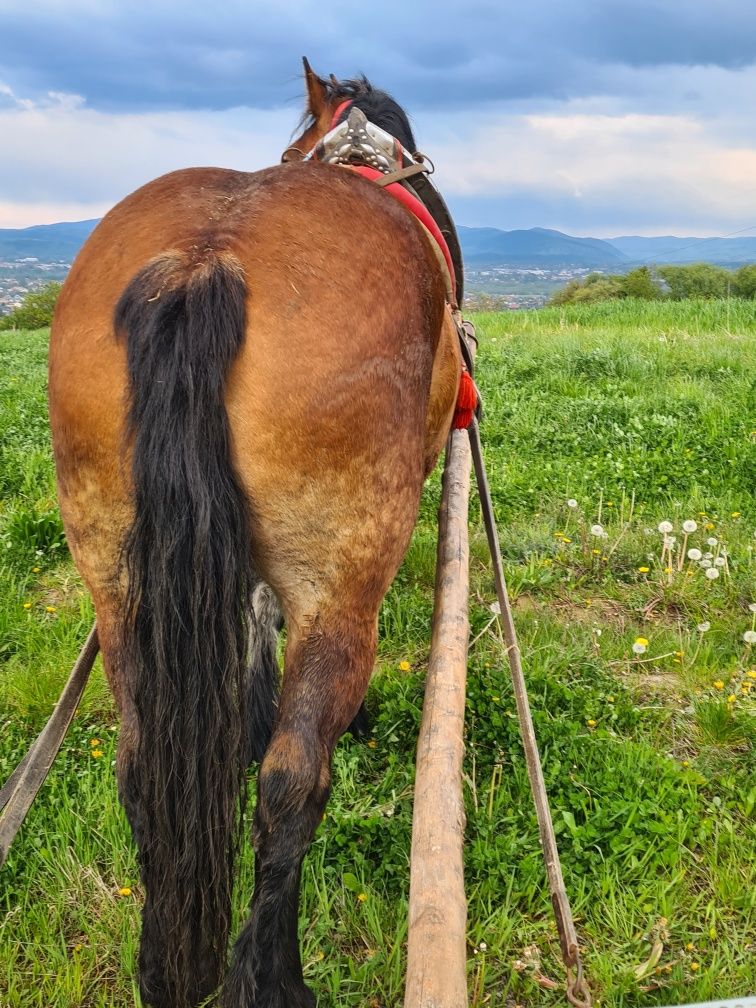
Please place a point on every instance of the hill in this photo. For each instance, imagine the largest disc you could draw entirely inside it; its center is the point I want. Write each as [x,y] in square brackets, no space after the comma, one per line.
[535,247]
[46,242]
[671,249]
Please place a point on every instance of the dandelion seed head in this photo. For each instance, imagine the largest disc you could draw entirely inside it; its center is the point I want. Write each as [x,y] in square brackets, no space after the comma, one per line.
[720,562]
[597,530]
[705,563]
[752,607]
[694,554]
[665,527]
[690,525]
[704,627]
[750,636]
[712,541]
[712,573]
[572,503]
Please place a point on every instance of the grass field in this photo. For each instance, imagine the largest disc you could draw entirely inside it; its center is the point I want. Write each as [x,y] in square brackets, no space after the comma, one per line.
[636,414]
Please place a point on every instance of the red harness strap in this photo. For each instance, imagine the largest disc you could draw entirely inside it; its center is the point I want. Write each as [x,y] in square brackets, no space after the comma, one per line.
[467,394]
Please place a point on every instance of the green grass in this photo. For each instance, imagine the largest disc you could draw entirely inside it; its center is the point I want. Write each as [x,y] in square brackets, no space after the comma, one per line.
[641,413]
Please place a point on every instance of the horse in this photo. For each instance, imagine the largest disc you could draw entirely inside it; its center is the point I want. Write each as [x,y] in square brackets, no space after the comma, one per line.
[251,375]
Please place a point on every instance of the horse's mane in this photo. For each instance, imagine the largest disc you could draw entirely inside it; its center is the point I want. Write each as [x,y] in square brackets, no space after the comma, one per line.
[378,106]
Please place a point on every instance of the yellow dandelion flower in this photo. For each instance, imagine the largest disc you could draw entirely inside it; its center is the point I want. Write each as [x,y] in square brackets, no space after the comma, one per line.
[604,558]
[404,666]
[610,699]
[372,744]
[686,763]
[709,526]
[50,608]
[590,722]
[667,570]
[751,673]
[124,891]
[27,605]
[610,503]
[690,946]
[36,570]
[718,684]
[695,966]
[566,540]
[97,753]
[596,552]
[362,897]
[731,698]
[643,641]
[643,570]
[679,654]
[735,514]
[95,742]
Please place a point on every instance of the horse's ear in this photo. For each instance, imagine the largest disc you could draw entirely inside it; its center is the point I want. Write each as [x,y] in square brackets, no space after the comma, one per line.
[317,90]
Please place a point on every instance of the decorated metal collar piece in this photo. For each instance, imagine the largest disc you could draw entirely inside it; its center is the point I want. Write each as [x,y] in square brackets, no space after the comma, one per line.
[356,141]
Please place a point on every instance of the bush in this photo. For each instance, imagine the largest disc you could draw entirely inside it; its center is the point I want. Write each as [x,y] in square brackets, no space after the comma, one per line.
[35,311]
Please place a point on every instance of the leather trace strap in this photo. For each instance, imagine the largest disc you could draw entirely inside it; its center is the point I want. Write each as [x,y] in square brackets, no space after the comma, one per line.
[577,990]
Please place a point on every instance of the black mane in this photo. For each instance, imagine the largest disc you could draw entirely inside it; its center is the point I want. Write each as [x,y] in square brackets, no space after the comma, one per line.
[379,107]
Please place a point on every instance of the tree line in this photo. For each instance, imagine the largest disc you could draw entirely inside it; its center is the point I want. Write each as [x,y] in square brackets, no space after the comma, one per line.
[672,283]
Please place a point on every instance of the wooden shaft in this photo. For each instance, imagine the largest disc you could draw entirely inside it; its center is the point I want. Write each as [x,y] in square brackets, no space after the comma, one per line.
[436,946]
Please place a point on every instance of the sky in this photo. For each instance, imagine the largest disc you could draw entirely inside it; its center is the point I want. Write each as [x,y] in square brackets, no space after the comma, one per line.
[594,117]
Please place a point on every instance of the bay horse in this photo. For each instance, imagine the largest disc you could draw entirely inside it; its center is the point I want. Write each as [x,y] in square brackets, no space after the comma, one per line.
[251,376]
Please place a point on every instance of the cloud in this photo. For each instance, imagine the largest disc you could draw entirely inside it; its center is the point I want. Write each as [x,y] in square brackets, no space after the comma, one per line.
[172,55]
[599,115]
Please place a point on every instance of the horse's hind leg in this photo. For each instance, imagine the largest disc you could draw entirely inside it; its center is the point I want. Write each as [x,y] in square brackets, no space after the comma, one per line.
[328,665]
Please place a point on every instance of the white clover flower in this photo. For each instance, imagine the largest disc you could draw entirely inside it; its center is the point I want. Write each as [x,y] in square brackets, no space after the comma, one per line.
[690,525]
[712,573]
[597,530]
[720,562]
[705,563]
[703,627]
[750,636]
[711,541]
[752,607]
[572,503]
[665,527]
[694,554]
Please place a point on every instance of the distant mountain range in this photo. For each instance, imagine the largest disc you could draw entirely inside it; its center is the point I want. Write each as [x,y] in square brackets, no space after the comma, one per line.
[46,242]
[481,247]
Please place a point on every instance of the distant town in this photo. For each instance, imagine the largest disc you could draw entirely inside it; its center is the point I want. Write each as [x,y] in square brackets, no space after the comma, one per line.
[20,276]
[503,269]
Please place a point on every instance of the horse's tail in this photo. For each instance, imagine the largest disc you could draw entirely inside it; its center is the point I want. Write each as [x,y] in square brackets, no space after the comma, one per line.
[188,561]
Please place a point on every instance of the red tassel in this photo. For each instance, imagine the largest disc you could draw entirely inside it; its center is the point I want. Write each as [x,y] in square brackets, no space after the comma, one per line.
[467,401]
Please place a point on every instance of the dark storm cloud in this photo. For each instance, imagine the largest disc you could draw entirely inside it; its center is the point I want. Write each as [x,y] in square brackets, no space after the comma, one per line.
[171,55]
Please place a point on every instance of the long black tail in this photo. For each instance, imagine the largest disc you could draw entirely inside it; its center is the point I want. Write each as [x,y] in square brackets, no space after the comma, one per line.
[189,580]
